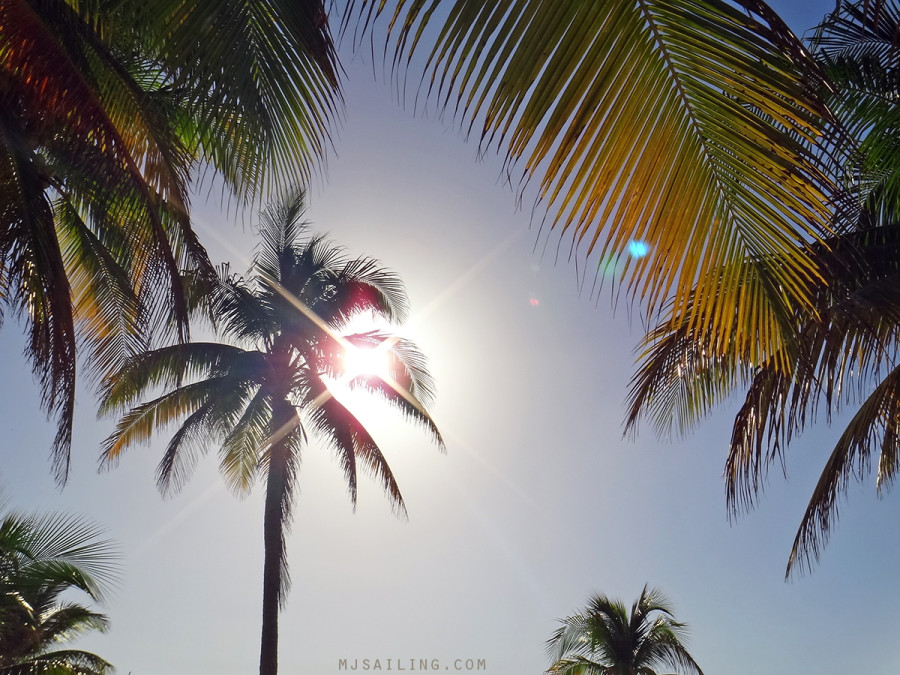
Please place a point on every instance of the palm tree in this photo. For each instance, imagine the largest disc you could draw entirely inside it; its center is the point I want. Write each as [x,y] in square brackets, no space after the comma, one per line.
[605,639]
[41,559]
[261,392]
[107,109]
[842,350]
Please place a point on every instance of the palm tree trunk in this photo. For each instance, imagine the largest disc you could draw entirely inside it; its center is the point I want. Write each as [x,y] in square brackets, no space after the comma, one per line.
[273,540]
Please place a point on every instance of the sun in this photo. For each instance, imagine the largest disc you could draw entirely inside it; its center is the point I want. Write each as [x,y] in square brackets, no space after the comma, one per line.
[366,361]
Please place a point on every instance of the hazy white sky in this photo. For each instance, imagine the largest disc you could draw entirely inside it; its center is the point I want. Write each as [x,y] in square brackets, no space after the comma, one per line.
[538,503]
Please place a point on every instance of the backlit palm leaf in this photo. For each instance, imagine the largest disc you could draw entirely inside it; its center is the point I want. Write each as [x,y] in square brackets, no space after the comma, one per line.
[839,350]
[261,80]
[166,367]
[113,161]
[873,430]
[691,126]
[834,360]
[139,424]
[107,109]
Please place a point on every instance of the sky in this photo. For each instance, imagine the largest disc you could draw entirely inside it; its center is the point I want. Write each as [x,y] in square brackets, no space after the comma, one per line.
[538,503]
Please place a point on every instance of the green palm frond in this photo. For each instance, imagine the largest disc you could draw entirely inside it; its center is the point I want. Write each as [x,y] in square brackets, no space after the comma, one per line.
[857,47]
[184,449]
[835,357]
[107,312]
[261,81]
[77,124]
[694,126]
[44,559]
[68,549]
[70,620]
[109,108]
[686,367]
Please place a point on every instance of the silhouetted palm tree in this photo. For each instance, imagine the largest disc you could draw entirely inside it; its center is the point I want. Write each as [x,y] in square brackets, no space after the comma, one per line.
[41,559]
[260,394]
[605,639]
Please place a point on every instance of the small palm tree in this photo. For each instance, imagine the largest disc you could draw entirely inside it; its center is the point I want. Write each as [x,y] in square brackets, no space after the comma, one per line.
[605,640]
[262,391]
[41,558]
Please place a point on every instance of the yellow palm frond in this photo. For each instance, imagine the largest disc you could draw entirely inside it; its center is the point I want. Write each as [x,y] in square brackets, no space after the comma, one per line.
[693,127]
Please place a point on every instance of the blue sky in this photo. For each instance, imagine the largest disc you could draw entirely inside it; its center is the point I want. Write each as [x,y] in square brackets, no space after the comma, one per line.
[538,503]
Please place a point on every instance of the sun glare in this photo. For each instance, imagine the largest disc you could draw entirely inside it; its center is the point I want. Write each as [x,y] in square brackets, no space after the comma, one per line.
[366,361]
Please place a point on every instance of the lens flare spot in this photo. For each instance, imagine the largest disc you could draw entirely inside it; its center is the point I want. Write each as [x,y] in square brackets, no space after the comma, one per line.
[534,302]
[638,249]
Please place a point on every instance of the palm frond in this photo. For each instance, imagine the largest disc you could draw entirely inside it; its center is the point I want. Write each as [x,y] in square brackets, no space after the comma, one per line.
[578,665]
[364,285]
[262,83]
[61,662]
[831,358]
[35,277]
[184,449]
[351,441]
[407,365]
[66,548]
[411,408]
[874,428]
[240,452]
[139,424]
[69,621]
[169,366]
[857,48]
[694,126]
[107,312]
[280,228]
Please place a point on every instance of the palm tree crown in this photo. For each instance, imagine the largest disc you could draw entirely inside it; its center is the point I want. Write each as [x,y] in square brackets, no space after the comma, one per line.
[259,394]
[41,558]
[605,639]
